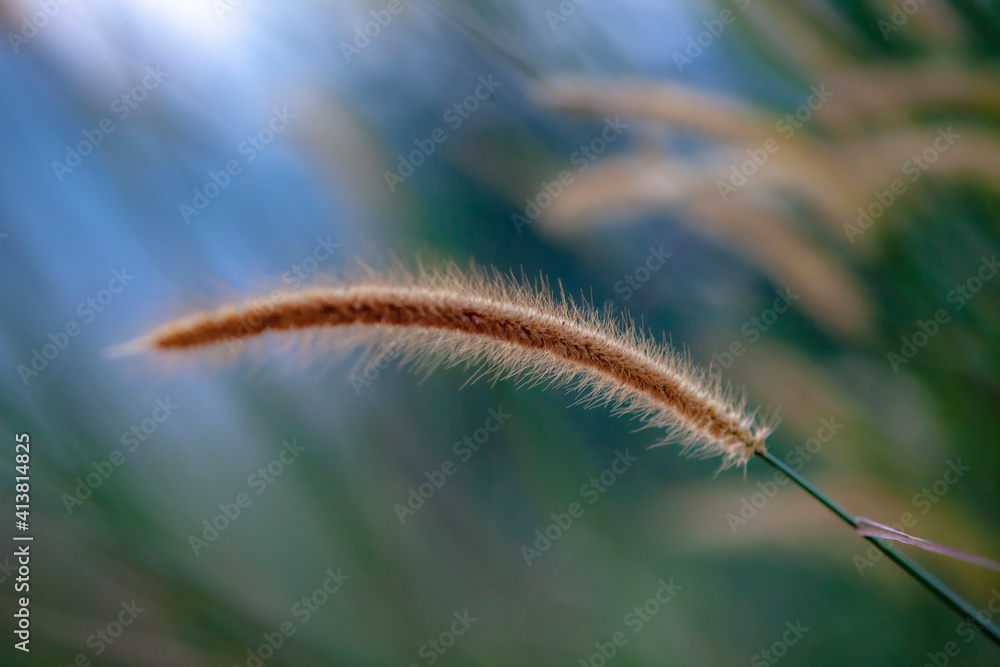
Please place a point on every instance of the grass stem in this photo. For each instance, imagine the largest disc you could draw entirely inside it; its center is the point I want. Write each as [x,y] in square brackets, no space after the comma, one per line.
[932,583]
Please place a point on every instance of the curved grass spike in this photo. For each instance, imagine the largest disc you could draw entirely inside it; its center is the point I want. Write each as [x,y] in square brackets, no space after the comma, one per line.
[509,328]
[506,327]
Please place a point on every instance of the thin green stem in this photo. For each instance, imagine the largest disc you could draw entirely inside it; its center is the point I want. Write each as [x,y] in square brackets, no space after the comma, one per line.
[932,583]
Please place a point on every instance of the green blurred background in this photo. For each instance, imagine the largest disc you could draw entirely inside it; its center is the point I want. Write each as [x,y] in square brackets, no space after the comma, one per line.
[309,112]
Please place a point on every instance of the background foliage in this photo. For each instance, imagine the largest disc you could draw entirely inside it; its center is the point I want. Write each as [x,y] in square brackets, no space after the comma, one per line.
[321,181]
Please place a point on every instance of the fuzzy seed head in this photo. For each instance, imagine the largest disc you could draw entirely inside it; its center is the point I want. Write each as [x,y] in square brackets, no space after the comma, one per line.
[505,328]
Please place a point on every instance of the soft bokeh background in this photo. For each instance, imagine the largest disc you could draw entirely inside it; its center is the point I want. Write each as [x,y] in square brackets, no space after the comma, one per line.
[315,197]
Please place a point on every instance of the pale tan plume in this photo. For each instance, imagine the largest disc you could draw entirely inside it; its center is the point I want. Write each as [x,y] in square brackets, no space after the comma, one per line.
[672,103]
[830,293]
[891,95]
[802,165]
[664,183]
[833,178]
[880,159]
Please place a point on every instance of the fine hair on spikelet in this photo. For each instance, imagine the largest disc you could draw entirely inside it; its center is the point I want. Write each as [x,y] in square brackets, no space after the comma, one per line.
[505,327]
